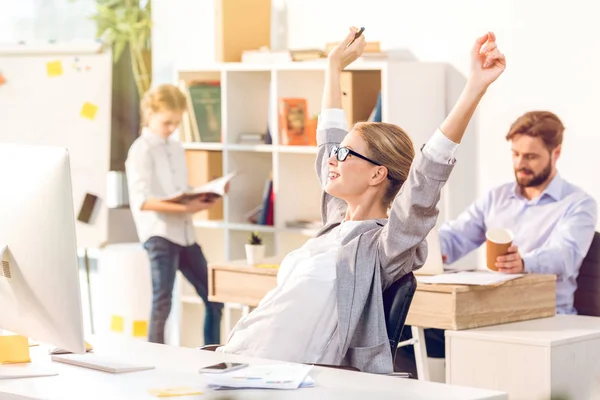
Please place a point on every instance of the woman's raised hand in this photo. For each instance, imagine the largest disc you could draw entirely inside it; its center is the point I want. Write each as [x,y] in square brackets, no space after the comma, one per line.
[343,55]
[487,62]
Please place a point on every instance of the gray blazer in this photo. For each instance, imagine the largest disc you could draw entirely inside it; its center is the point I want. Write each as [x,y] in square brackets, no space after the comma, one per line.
[376,253]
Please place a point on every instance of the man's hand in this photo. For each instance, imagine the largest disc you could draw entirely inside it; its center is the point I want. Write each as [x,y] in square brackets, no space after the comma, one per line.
[511,263]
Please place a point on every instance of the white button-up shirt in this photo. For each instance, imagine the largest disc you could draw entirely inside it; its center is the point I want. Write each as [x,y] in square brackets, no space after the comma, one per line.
[297,320]
[156,168]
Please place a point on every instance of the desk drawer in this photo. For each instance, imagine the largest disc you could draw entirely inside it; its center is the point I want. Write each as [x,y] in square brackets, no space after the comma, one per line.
[519,300]
[238,287]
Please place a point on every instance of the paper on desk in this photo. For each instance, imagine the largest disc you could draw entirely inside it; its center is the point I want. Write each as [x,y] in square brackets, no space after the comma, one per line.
[272,376]
[478,278]
[26,370]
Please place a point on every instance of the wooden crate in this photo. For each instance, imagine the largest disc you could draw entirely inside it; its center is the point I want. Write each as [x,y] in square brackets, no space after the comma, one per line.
[204,166]
[457,307]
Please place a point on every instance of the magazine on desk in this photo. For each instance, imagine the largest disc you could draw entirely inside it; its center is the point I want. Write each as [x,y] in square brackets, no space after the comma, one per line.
[213,189]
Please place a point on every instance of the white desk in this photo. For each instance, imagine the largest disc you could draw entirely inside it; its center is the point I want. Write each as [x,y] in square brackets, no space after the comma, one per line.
[178,366]
[536,359]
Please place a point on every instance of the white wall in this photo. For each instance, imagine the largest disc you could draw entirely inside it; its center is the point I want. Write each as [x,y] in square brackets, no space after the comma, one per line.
[551,47]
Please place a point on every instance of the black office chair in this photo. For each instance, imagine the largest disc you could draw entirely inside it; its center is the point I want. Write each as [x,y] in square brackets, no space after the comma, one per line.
[396,302]
[587,295]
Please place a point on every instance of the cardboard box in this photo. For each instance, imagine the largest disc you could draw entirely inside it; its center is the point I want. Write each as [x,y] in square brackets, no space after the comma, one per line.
[360,90]
[241,25]
[204,166]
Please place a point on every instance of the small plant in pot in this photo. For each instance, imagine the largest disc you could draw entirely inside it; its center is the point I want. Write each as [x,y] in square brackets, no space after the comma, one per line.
[255,249]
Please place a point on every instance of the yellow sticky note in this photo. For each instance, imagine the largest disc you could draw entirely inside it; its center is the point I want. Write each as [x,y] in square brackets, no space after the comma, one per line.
[273,266]
[117,324]
[140,328]
[14,349]
[172,392]
[88,347]
[89,110]
[54,68]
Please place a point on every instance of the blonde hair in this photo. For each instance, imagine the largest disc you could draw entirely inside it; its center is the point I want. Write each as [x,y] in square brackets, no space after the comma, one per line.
[391,147]
[165,97]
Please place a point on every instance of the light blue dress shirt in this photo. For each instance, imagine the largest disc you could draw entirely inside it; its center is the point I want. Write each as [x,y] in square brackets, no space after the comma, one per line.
[553,232]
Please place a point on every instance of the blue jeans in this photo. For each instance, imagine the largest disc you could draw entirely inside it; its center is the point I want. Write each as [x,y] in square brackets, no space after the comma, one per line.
[165,259]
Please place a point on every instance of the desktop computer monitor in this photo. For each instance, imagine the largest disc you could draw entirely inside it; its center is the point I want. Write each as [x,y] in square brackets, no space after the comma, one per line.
[40,295]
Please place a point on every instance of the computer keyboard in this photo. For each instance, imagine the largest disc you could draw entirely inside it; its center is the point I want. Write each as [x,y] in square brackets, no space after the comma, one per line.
[93,361]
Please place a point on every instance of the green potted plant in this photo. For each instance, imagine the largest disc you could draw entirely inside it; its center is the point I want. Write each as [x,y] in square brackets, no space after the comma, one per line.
[127,26]
[255,249]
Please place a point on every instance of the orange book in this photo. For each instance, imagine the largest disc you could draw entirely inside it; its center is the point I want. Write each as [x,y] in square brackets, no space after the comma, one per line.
[292,120]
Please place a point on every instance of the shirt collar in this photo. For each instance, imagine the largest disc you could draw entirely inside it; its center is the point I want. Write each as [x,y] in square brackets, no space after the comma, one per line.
[553,190]
[152,137]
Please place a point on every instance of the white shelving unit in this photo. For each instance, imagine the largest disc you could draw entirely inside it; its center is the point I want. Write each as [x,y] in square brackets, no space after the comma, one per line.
[413,96]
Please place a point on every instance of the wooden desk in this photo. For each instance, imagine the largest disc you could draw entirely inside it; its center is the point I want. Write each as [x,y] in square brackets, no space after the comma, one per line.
[178,367]
[237,282]
[456,307]
[434,306]
[450,307]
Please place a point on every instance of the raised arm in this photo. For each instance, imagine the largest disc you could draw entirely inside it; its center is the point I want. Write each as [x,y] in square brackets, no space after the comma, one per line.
[414,212]
[332,126]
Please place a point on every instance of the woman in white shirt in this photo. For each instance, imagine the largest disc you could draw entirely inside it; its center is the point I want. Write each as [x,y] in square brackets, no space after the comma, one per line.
[156,168]
[378,204]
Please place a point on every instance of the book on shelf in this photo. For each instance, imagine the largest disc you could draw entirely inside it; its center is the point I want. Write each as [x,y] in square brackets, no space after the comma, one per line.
[263,214]
[213,189]
[252,138]
[292,121]
[202,122]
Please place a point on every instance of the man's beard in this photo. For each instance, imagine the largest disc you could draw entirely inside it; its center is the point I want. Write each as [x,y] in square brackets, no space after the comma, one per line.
[533,180]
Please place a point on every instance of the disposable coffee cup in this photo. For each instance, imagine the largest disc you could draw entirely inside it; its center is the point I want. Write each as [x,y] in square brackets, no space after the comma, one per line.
[498,241]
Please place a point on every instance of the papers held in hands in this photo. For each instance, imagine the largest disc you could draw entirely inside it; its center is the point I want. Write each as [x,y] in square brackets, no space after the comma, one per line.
[210,191]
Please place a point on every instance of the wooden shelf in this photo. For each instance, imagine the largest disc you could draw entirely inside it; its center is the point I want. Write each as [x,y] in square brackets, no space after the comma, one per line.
[209,224]
[259,148]
[202,146]
[413,97]
[297,149]
[251,227]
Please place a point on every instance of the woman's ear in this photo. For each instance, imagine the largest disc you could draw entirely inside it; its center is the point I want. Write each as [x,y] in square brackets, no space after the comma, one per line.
[379,175]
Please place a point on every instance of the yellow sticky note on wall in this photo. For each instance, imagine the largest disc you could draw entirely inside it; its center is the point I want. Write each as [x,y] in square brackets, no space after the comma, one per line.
[117,324]
[14,349]
[89,110]
[54,68]
[140,328]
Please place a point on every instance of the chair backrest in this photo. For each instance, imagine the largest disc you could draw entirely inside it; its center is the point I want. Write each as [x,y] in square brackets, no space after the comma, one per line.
[587,295]
[396,302]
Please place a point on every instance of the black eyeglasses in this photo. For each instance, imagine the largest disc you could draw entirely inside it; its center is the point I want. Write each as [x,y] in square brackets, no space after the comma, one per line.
[342,153]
